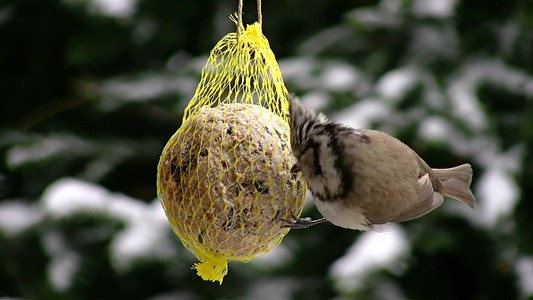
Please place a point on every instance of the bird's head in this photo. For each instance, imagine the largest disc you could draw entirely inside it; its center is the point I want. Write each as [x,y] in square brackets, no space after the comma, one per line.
[303,124]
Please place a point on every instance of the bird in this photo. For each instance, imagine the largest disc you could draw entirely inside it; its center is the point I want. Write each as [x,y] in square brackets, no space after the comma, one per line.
[362,178]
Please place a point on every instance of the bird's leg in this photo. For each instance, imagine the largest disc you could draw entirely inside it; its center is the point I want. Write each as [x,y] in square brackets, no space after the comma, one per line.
[300,223]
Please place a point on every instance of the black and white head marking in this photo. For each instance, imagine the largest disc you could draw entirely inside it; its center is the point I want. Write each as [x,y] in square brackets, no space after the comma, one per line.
[303,122]
[330,178]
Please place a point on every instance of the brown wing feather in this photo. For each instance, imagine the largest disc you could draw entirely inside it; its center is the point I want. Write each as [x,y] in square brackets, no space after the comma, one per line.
[429,200]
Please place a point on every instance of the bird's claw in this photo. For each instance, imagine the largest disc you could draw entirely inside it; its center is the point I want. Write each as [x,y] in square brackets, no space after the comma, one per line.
[300,223]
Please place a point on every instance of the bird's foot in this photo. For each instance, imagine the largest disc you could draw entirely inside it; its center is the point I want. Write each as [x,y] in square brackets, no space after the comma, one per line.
[300,223]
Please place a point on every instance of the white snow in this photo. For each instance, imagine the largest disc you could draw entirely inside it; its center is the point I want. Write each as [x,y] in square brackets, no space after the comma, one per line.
[435,128]
[463,87]
[339,76]
[462,95]
[373,250]
[396,83]
[430,43]
[508,34]
[434,8]
[271,289]
[316,100]
[498,194]
[361,114]
[114,8]
[374,18]
[145,235]
[70,196]
[144,88]
[147,87]
[389,290]
[299,71]
[391,6]
[110,155]
[64,262]
[524,269]
[278,256]
[324,39]
[394,86]
[17,216]
[47,147]
[496,190]
[321,77]
[433,94]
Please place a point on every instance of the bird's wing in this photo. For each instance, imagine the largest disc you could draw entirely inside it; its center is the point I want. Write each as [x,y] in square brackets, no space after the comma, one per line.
[428,198]
[425,169]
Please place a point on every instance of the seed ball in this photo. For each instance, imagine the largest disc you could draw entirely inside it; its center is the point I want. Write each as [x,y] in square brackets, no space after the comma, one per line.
[224,182]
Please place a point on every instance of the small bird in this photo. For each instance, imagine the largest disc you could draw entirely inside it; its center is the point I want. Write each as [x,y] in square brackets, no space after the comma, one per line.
[360,178]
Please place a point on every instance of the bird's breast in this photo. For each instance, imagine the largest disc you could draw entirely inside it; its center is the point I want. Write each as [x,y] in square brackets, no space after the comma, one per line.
[340,215]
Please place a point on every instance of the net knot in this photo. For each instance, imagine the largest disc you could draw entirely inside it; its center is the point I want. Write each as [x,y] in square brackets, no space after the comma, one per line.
[212,269]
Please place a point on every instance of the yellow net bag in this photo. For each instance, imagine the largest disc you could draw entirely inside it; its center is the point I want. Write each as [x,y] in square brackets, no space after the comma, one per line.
[224,177]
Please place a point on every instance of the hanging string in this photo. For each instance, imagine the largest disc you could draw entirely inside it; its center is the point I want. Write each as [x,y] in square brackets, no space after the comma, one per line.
[239,19]
[259,14]
[239,16]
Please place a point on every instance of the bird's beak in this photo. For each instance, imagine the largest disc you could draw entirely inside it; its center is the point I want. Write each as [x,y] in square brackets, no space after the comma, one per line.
[295,169]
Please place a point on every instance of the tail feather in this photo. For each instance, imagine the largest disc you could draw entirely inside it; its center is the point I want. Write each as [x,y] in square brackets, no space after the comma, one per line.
[462,173]
[456,183]
[459,190]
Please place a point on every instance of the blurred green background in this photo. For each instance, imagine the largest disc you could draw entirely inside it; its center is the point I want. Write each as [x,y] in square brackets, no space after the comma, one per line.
[91,90]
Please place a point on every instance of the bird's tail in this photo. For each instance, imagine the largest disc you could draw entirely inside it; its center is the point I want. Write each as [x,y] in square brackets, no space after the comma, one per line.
[456,183]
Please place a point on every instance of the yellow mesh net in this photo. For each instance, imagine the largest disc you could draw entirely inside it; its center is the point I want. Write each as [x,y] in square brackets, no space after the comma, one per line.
[224,177]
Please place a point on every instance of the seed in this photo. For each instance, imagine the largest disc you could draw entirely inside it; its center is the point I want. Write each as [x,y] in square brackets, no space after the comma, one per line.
[185,149]
[263,189]
[229,129]
[278,133]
